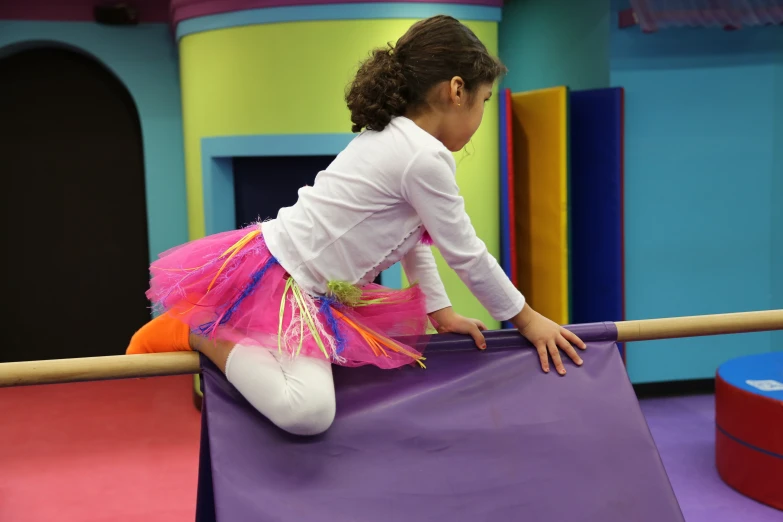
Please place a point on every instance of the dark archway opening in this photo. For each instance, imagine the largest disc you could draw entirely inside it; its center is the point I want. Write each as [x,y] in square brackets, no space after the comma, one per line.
[75,234]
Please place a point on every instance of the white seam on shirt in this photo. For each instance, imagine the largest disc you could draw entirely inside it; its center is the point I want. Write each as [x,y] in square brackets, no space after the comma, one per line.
[405,172]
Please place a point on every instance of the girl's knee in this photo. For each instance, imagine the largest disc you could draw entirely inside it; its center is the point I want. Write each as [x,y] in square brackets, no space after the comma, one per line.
[296,395]
[310,416]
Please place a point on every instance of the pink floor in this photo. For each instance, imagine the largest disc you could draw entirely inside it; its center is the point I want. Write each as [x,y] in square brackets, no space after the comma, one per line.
[104,451]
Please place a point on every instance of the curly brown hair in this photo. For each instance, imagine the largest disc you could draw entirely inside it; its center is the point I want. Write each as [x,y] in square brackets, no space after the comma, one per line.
[399,77]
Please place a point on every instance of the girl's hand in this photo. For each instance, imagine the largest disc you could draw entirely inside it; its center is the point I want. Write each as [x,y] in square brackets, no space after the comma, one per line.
[448,321]
[547,336]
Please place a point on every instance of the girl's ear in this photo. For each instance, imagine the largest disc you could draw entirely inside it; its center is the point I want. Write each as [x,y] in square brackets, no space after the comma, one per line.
[457,90]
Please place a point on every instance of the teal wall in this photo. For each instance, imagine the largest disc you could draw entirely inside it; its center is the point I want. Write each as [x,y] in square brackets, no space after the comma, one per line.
[702,186]
[703,164]
[144,58]
[777,202]
[546,43]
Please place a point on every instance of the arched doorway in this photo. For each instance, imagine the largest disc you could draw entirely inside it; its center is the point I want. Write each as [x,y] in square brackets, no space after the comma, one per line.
[75,231]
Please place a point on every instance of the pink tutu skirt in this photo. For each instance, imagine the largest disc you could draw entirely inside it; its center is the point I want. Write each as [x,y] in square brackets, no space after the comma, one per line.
[229,286]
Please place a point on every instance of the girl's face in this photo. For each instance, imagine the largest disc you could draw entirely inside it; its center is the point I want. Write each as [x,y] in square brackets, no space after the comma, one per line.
[463,117]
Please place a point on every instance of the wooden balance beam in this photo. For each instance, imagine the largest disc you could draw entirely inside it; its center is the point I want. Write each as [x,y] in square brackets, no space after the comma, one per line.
[180,363]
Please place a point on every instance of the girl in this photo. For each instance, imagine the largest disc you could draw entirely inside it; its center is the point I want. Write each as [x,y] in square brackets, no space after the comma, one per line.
[275,304]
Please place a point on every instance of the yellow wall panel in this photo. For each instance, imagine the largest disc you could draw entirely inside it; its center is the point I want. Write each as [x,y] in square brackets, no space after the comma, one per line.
[540,148]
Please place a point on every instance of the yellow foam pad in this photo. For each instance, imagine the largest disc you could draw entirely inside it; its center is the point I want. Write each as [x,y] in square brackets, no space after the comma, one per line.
[540,151]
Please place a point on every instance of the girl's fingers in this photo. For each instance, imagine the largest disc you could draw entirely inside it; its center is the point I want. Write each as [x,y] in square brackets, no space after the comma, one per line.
[478,337]
[567,348]
[573,339]
[543,357]
[555,353]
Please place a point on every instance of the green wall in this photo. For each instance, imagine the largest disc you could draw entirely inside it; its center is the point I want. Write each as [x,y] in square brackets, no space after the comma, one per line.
[546,43]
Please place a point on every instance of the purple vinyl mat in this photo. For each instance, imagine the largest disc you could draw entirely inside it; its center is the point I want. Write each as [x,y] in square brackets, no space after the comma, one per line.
[477,436]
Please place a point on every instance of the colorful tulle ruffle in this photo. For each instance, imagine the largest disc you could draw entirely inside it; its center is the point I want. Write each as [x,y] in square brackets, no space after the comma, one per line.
[229,286]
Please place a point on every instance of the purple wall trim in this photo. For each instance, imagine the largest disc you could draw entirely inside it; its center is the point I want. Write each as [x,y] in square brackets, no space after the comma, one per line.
[175,11]
[150,11]
[186,9]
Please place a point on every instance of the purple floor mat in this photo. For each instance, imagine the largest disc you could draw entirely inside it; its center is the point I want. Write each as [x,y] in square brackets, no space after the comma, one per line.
[684,431]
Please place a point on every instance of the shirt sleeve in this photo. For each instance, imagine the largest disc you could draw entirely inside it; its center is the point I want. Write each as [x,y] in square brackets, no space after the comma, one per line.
[419,265]
[429,185]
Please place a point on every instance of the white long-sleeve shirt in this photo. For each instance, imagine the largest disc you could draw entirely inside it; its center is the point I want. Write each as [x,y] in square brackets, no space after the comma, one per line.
[369,209]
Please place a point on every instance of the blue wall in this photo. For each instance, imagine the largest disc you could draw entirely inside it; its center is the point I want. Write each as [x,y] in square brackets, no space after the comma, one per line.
[702,186]
[547,43]
[777,203]
[144,58]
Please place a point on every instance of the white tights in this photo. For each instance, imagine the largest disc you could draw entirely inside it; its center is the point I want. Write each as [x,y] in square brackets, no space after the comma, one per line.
[295,393]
